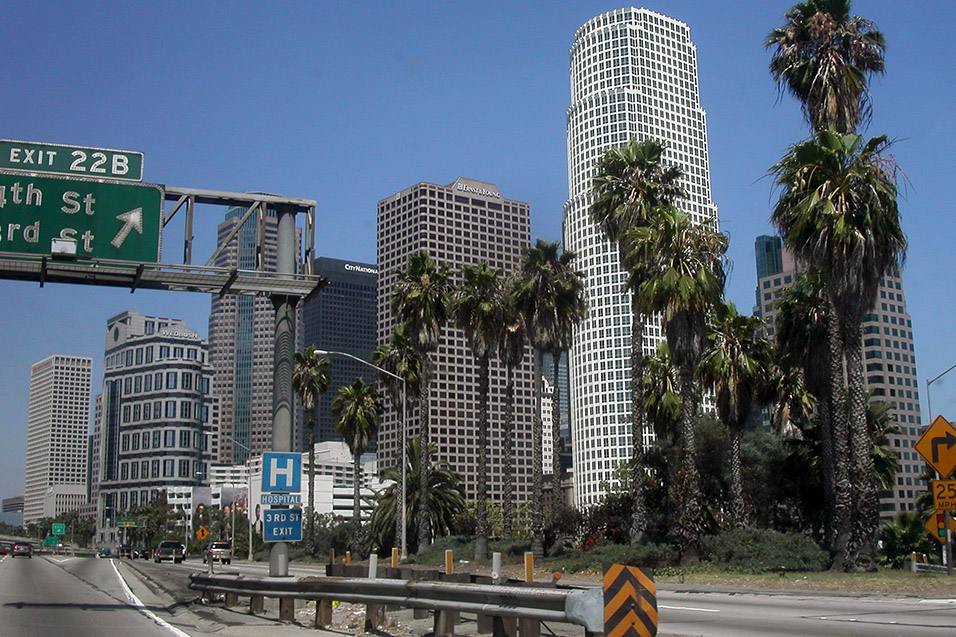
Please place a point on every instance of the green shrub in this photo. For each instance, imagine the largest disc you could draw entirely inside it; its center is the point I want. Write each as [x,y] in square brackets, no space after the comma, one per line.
[646,555]
[762,550]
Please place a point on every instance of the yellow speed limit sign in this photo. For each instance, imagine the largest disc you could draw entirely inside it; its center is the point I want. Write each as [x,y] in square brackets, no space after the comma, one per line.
[202,533]
[944,495]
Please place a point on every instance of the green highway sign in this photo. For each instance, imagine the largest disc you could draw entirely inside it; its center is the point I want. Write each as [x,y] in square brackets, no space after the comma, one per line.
[59,529]
[121,521]
[95,163]
[101,219]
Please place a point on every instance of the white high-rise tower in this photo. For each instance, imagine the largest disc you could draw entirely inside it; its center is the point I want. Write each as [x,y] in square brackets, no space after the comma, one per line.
[633,75]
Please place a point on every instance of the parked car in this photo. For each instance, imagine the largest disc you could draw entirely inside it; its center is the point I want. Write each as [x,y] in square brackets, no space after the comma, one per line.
[105,551]
[218,551]
[169,550]
[22,548]
[3,550]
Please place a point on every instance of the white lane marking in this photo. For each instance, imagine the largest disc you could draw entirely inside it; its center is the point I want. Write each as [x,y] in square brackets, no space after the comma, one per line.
[700,610]
[134,601]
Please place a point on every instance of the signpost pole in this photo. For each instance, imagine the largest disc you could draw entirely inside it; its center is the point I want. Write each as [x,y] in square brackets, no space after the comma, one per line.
[283,364]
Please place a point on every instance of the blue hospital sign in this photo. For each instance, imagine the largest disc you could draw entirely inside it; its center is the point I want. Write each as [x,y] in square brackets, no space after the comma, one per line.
[282,525]
[281,472]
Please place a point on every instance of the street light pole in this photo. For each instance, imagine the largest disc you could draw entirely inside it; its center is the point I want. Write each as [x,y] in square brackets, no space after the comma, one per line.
[402,492]
[248,497]
[946,514]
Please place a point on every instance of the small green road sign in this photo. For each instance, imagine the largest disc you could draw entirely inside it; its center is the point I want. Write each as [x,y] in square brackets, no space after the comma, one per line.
[51,540]
[59,529]
[96,163]
[82,218]
[127,521]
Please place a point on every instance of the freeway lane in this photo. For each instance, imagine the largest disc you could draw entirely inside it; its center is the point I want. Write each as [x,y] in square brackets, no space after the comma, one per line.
[54,596]
[761,614]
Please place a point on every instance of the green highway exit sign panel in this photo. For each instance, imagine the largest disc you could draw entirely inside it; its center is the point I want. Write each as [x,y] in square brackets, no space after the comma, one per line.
[100,219]
[95,163]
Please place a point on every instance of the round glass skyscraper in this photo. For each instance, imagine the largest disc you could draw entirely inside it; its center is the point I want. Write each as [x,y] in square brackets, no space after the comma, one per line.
[633,75]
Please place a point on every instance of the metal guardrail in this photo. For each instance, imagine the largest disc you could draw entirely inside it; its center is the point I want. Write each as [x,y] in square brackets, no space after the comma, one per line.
[583,607]
[919,567]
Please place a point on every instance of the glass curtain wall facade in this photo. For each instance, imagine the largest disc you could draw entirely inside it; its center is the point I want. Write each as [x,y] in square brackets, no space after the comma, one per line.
[241,342]
[341,319]
[633,75]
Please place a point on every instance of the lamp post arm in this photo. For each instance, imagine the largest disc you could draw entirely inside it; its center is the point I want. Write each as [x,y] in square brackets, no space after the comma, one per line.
[929,398]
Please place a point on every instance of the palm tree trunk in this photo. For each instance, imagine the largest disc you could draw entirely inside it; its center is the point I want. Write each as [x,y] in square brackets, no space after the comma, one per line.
[310,523]
[825,416]
[689,524]
[737,513]
[356,505]
[861,553]
[557,499]
[424,530]
[638,477]
[508,489]
[481,514]
[537,470]
[842,495]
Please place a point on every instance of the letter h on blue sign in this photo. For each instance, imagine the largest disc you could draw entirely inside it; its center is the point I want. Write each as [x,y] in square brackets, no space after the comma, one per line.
[281,472]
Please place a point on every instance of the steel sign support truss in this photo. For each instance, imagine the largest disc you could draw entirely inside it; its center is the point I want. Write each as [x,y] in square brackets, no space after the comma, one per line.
[185,276]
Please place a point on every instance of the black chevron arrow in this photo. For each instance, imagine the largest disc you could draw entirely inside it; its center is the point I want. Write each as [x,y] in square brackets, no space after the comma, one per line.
[949,440]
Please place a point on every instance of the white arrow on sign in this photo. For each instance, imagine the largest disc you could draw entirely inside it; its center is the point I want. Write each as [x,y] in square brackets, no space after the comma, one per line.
[132,220]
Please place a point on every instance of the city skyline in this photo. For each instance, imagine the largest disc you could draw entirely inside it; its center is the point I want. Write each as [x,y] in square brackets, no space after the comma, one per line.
[354,101]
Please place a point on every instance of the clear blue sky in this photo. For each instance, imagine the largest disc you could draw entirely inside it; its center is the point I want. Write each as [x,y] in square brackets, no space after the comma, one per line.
[348,102]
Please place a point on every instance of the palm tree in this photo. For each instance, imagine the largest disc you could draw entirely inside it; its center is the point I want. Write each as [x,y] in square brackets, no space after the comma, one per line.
[420,300]
[446,499]
[310,380]
[838,211]
[662,402]
[631,186]
[886,460]
[735,366]
[685,282]
[549,293]
[357,413]
[512,346]
[478,309]
[399,358]
[823,56]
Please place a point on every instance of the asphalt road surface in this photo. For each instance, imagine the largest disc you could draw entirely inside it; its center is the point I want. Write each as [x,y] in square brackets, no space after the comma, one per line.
[48,596]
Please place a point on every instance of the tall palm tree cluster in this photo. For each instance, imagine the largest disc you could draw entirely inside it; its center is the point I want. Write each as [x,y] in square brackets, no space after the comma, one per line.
[837,212]
[500,315]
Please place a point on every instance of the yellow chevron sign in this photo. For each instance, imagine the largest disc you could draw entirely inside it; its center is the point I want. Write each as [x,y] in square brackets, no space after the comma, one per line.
[630,601]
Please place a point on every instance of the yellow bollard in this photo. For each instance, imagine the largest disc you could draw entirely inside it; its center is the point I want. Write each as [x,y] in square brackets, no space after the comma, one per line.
[529,567]
[331,556]
[348,558]
[449,562]
[394,557]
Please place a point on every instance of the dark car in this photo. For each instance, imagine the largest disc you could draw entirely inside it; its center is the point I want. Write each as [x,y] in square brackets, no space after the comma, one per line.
[22,548]
[169,550]
[218,551]
[105,551]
